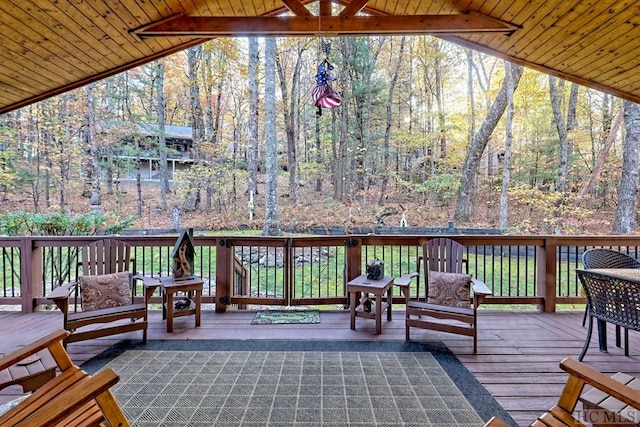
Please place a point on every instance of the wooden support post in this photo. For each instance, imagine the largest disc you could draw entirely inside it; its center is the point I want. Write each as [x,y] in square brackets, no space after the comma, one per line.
[353,261]
[546,274]
[30,274]
[224,274]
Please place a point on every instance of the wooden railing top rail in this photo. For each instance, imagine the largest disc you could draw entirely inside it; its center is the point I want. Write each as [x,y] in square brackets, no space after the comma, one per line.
[539,261]
[368,239]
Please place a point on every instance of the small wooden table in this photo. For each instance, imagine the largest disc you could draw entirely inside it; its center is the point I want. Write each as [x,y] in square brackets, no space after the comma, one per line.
[170,286]
[376,287]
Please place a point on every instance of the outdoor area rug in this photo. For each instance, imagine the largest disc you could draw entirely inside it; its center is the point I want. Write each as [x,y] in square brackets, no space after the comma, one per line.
[295,383]
[283,317]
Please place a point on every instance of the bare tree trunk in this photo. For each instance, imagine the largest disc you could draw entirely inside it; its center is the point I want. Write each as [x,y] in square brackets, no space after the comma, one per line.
[508,140]
[271,225]
[48,165]
[197,115]
[439,87]
[469,170]
[290,106]
[192,199]
[33,136]
[87,159]
[472,102]
[252,143]
[361,57]
[217,123]
[387,131]
[572,107]
[96,201]
[108,169]
[563,155]
[318,152]
[340,169]
[63,153]
[628,189]
[138,186]
[162,142]
[599,163]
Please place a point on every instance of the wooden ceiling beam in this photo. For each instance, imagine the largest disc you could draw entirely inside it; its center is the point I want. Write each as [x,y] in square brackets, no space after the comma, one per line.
[187,26]
[297,7]
[354,7]
[325,7]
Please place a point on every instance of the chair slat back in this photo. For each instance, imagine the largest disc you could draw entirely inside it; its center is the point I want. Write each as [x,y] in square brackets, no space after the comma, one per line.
[444,255]
[107,256]
[608,258]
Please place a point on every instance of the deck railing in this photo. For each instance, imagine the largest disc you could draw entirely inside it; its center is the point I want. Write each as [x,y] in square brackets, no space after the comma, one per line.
[251,271]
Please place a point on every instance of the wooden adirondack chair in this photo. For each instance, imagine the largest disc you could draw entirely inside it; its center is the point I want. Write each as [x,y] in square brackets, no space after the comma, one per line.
[104,294]
[448,294]
[580,375]
[71,398]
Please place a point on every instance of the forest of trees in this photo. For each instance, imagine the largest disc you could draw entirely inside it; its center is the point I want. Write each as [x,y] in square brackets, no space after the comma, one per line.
[424,124]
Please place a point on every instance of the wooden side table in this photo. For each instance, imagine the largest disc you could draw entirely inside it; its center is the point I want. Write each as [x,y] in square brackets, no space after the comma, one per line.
[376,287]
[191,287]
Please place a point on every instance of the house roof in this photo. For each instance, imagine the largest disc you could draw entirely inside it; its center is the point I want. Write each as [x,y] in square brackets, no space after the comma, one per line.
[47,48]
[170,131]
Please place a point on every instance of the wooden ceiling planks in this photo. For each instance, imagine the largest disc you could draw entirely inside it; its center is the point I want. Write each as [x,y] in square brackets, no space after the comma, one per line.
[104,32]
[22,75]
[54,23]
[23,66]
[525,41]
[153,14]
[572,39]
[400,7]
[98,34]
[526,13]
[499,9]
[562,29]
[477,6]
[48,47]
[133,16]
[29,38]
[619,38]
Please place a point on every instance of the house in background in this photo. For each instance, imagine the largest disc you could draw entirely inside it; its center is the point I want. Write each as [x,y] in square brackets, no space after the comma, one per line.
[179,145]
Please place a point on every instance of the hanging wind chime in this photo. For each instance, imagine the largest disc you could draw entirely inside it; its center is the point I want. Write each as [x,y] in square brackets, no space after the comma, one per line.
[324,96]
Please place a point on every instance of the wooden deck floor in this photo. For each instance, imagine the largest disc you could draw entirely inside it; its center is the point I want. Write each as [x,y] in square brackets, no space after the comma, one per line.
[517,359]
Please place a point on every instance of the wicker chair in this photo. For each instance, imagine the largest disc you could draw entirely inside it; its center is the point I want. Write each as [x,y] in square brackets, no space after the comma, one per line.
[607,258]
[611,299]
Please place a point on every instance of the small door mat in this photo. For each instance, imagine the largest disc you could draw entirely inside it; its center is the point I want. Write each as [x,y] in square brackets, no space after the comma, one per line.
[283,317]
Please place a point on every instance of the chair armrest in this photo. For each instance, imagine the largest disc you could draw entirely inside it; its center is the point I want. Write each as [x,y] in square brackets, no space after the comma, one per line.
[404,282]
[602,382]
[496,422]
[147,281]
[480,288]
[62,291]
[149,284]
[26,351]
[70,399]
[405,279]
